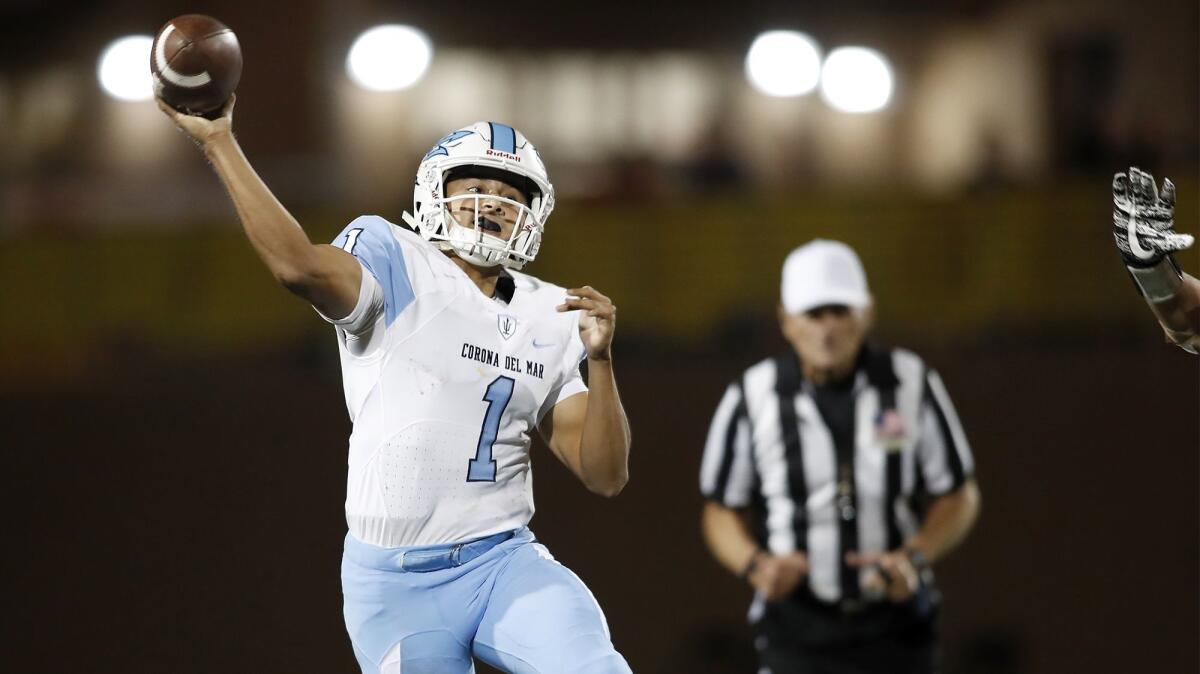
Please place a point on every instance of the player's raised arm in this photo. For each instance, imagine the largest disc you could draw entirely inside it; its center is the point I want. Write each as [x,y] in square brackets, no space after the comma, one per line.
[328,278]
[1143,228]
[1179,314]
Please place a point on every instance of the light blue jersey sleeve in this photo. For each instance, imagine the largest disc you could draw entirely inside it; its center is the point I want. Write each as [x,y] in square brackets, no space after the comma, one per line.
[570,382]
[369,238]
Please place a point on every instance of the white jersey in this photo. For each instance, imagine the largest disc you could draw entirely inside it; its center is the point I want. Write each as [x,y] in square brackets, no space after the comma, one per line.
[445,387]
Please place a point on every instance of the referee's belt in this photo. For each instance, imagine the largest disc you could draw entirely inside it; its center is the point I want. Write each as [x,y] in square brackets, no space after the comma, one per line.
[923,601]
[841,607]
[424,561]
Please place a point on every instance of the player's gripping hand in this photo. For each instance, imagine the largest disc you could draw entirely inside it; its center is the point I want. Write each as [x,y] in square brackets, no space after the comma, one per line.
[1143,219]
[598,322]
[200,129]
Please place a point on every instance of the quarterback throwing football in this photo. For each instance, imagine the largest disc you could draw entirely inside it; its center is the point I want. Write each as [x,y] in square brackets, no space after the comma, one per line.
[451,359]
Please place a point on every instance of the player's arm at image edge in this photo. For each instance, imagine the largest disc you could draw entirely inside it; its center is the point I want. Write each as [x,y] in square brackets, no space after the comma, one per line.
[1180,315]
[327,277]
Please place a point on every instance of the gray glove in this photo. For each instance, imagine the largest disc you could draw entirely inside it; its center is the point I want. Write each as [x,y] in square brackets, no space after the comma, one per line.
[1143,218]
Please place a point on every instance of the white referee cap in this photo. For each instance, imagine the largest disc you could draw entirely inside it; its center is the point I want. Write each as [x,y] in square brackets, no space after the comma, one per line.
[823,272]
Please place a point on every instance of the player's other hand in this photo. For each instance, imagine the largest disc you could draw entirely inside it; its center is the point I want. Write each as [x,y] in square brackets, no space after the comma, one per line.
[776,576]
[887,573]
[1143,218]
[597,323]
[201,129]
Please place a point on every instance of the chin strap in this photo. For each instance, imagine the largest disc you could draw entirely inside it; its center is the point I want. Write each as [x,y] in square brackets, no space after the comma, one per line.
[448,244]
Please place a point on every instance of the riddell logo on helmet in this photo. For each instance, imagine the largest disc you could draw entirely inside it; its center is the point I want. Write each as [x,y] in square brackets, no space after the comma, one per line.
[506,155]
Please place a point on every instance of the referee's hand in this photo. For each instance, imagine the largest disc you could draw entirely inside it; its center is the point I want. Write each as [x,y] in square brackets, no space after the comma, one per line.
[776,576]
[891,573]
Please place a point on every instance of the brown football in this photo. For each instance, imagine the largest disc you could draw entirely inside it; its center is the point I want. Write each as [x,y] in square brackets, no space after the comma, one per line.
[196,62]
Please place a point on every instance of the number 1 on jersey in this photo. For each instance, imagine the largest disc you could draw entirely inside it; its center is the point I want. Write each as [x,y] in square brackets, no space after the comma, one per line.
[351,239]
[482,468]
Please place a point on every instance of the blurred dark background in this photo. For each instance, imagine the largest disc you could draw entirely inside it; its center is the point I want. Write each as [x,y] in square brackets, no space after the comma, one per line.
[174,422]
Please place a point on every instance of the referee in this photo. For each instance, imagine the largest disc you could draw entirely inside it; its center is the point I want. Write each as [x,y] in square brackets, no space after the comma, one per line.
[835,475]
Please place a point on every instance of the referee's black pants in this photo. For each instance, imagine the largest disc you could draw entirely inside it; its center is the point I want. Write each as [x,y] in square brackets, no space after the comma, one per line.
[805,636]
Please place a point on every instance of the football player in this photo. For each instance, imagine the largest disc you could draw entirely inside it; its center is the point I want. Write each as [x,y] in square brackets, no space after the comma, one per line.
[1143,222]
[451,358]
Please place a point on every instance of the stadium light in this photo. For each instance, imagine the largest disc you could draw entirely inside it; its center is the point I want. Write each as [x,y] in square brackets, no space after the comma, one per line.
[389,58]
[856,79]
[124,68]
[783,63]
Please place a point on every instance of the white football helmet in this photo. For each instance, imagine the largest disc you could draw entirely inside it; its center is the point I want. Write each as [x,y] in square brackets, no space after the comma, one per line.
[483,150]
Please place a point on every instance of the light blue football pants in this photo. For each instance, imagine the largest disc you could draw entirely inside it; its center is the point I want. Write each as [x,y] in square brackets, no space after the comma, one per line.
[504,599]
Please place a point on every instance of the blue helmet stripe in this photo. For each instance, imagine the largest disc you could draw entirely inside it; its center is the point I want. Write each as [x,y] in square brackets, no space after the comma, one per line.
[504,138]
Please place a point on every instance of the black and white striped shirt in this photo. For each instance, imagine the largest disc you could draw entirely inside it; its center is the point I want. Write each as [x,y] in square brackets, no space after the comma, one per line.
[824,471]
